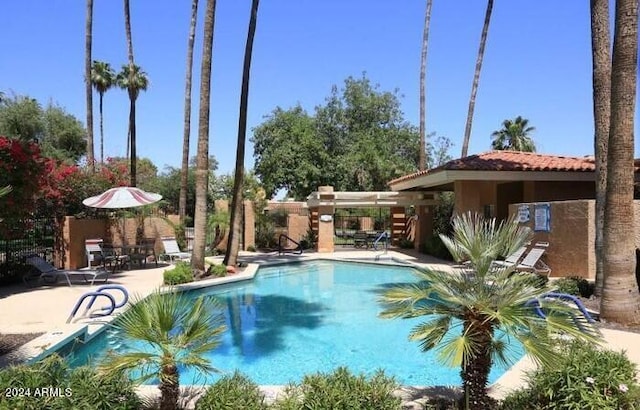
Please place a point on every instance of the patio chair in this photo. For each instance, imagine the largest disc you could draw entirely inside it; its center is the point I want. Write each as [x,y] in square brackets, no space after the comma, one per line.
[172,250]
[533,262]
[510,260]
[50,274]
[104,256]
[361,239]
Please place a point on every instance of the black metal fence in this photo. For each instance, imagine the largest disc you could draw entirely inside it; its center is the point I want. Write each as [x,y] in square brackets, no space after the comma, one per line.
[19,238]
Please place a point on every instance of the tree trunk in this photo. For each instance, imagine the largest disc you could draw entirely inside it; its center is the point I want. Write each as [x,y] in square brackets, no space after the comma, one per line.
[202,155]
[101,132]
[132,116]
[601,56]
[184,173]
[88,86]
[233,244]
[423,73]
[476,79]
[169,388]
[620,298]
[475,373]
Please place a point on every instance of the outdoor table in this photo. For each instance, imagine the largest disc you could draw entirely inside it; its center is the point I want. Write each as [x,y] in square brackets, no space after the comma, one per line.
[138,253]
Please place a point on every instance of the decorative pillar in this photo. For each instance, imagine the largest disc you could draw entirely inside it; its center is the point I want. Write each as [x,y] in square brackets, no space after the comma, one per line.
[325,220]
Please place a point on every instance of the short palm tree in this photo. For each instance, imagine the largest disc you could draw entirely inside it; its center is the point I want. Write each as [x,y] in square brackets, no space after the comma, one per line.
[103,78]
[474,316]
[177,333]
[134,83]
[514,136]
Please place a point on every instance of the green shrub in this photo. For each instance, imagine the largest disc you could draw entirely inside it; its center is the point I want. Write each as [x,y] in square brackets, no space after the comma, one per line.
[232,392]
[574,285]
[405,243]
[65,388]
[218,270]
[251,248]
[181,273]
[341,390]
[585,378]
[265,233]
[435,247]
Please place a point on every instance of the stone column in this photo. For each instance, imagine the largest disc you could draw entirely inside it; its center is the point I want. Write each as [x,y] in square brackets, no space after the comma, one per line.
[325,221]
[424,226]
[249,225]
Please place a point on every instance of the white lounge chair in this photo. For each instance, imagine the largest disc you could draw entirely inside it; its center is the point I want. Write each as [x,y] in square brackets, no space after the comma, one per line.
[510,260]
[50,273]
[533,262]
[172,250]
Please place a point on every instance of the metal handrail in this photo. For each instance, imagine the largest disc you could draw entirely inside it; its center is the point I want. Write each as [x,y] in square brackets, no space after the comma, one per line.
[282,250]
[125,298]
[535,303]
[104,311]
[95,295]
[383,235]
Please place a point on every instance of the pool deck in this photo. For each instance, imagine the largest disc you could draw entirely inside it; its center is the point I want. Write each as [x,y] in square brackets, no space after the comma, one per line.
[46,308]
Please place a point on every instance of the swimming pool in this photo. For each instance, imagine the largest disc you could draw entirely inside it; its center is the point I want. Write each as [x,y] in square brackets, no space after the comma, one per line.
[297,319]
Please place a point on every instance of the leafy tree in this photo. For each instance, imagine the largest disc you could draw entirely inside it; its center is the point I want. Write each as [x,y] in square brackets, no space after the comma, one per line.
[514,136]
[21,117]
[64,137]
[358,140]
[476,78]
[147,172]
[177,333]
[485,306]
[103,78]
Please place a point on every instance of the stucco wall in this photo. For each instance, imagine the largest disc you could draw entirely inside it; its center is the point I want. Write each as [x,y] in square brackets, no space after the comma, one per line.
[474,195]
[571,237]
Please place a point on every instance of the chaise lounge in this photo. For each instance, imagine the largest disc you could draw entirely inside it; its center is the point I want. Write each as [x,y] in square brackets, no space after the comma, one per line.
[50,274]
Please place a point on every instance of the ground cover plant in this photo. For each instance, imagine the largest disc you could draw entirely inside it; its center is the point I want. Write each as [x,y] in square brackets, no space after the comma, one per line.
[585,377]
[234,391]
[181,273]
[467,312]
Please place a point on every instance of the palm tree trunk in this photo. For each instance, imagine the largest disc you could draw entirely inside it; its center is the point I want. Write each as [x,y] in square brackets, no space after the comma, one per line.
[202,155]
[600,46]
[101,132]
[620,298]
[475,373]
[423,73]
[88,86]
[476,79]
[184,174]
[169,388]
[132,116]
[233,244]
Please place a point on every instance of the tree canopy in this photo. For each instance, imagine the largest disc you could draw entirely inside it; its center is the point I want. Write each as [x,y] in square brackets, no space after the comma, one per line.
[514,136]
[357,141]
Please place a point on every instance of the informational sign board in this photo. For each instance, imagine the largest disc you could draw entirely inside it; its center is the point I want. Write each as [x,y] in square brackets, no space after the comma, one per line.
[542,217]
[523,213]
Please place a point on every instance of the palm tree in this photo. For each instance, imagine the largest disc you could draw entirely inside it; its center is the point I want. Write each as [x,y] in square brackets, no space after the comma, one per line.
[103,78]
[88,39]
[476,79]
[133,81]
[484,306]
[202,155]
[601,56]
[233,246]
[620,298]
[133,94]
[514,136]
[177,332]
[423,74]
[184,174]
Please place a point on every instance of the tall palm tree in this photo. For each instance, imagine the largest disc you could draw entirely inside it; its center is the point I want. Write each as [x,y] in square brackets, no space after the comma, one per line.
[184,173]
[233,246]
[476,79]
[131,136]
[202,155]
[177,333]
[103,78]
[601,57]
[483,306]
[423,73]
[620,298]
[514,136]
[88,39]
[133,81]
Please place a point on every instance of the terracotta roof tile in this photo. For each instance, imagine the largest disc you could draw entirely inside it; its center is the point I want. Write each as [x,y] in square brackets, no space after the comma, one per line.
[512,161]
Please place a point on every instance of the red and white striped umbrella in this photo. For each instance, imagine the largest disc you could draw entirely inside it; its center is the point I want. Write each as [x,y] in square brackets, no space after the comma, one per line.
[122,197]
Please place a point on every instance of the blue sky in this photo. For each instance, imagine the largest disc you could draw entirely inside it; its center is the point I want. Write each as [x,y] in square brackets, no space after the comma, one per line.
[537,64]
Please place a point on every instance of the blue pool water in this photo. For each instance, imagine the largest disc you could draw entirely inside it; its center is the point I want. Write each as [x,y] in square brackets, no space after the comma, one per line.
[293,320]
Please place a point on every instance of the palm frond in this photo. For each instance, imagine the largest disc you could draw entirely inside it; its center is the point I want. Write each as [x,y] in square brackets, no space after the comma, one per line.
[429,334]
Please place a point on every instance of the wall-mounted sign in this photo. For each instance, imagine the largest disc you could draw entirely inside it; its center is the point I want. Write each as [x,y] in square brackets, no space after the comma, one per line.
[326,218]
[542,217]
[524,215]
